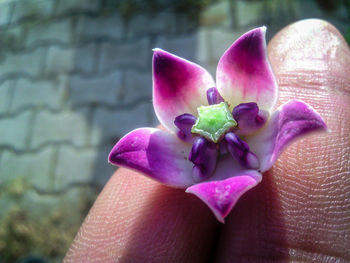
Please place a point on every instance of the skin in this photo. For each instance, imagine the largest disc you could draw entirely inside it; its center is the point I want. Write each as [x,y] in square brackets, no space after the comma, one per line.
[299,213]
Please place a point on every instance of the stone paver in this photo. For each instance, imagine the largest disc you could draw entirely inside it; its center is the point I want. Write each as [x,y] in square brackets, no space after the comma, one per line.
[23,62]
[14,130]
[59,60]
[184,46]
[74,166]
[109,126]
[39,9]
[85,58]
[137,86]
[37,94]
[34,167]
[103,170]
[44,32]
[202,54]
[248,12]
[82,166]
[69,6]
[67,60]
[66,127]
[161,23]
[109,26]
[217,14]
[95,90]
[5,96]
[131,54]
[5,14]
[12,38]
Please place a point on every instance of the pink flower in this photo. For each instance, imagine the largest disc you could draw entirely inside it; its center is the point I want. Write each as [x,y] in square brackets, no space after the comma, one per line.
[220,138]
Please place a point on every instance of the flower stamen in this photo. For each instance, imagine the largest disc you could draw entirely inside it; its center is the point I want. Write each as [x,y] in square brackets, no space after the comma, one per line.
[213,96]
[240,151]
[203,155]
[249,117]
[184,123]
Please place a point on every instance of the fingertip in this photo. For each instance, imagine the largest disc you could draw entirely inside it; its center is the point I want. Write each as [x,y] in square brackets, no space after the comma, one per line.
[310,59]
[305,40]
[138,219]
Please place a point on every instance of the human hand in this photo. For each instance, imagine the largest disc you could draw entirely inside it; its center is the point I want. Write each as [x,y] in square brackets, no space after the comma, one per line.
[299,212]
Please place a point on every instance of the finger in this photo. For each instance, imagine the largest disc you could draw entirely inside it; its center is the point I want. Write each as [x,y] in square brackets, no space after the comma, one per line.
[301,210]
[136,219]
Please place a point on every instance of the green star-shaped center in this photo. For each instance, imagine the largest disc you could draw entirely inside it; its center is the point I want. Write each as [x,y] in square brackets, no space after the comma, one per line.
[213,121]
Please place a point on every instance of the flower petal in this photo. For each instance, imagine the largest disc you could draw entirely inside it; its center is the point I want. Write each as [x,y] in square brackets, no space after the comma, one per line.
[156,153]
[292,120]
[179,86]
[244,73]
[221,196]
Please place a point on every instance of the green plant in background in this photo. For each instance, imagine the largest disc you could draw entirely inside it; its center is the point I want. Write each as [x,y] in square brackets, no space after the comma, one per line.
[49,237]
[47,233]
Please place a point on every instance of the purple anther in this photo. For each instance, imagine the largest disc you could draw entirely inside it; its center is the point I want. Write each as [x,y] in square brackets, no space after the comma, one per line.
[203,155]
[185,122]
[223,147]
[240,151]
[213,96]
[249,117]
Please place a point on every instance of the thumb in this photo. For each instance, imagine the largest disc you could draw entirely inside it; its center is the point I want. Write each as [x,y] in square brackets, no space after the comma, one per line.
[301,210]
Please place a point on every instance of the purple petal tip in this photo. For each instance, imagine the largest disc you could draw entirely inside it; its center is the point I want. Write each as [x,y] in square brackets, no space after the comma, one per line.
[178,86]
[292,120]
[221,196]
[244,73]
[155,153]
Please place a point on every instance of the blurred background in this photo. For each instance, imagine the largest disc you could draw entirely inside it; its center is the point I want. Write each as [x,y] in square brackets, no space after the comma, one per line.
[75,76]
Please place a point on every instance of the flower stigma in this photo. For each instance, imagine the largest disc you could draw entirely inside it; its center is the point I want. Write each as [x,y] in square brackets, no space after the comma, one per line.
[214,121]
